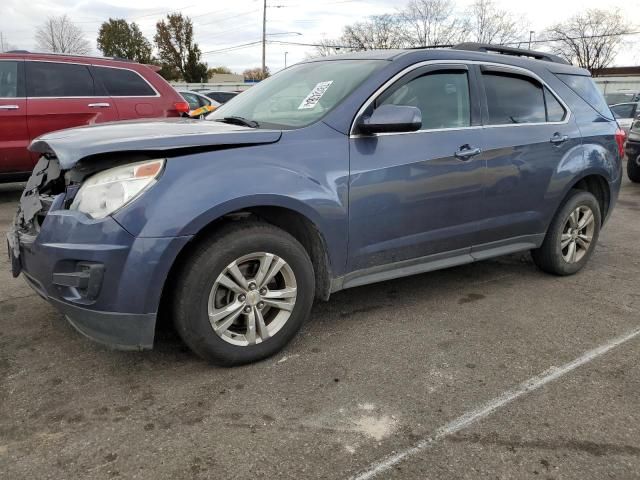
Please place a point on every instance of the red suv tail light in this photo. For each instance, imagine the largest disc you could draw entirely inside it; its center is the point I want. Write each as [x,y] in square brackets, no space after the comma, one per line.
[181,107]
[620,138]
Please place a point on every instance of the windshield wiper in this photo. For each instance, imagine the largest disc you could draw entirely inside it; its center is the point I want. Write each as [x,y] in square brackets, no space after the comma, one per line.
[239,121]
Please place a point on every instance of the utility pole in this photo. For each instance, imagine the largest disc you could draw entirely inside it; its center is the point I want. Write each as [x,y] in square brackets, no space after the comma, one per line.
[264,40]
[285,59]
[531,32]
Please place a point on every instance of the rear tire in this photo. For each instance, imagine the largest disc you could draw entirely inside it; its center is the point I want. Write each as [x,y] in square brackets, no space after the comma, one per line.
[230,308]
[633,169]
[572,235]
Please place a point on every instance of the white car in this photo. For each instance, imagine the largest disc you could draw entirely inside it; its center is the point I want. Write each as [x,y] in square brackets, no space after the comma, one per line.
[625,113]
[199,105]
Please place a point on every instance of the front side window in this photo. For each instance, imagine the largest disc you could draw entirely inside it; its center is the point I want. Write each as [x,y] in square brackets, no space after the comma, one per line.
[513,99]
[123,83]
[442,97]
[8,79]
[300,95]
[49,79]
[625,110]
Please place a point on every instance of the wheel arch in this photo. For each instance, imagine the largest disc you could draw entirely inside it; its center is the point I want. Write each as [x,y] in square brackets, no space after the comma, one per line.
[294,222]
[598,186]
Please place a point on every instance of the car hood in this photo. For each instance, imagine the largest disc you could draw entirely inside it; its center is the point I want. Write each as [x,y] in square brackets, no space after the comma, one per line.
[72,145]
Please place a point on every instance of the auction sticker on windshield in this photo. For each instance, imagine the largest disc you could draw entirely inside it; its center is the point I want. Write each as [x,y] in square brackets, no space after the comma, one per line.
[315,95]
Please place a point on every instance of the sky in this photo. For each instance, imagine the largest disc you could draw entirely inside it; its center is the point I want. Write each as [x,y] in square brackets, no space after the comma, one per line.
[220,24]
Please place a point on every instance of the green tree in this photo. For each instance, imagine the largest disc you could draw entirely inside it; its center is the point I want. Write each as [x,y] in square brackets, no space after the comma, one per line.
[117,38]
[177,50]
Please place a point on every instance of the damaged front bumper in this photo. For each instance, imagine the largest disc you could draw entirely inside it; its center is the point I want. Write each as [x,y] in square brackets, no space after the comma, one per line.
[107,282]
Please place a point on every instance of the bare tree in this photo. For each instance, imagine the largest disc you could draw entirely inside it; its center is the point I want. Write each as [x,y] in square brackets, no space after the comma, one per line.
[589,39]
[432,23]
[489,24]
[377,32]
[327,47]
[61,35]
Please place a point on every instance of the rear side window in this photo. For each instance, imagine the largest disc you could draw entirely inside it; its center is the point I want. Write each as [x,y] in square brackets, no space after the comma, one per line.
[586,89]
[555,111]
[442,97]
[9,79]
[123,83]
[48,79]
[513,99]
[192,100]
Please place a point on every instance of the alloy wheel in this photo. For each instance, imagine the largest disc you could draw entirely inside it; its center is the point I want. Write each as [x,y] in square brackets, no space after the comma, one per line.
[252,299]
[577,234]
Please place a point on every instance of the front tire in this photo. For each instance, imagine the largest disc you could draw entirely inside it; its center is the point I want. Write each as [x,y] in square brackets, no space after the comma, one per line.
[244,293]
[633,169]
[572,235]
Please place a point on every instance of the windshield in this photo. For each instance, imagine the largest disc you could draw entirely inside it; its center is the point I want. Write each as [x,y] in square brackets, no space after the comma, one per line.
[300,95]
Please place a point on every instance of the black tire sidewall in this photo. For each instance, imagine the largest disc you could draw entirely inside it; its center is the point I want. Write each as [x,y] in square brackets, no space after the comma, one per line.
[552,242]
[633,169]
[191,317]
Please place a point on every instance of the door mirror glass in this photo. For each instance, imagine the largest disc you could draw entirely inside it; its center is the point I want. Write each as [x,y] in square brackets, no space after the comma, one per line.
[392,119]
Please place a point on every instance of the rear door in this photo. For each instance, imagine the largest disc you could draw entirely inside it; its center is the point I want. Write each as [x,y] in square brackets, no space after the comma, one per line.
[14,135]
[133,96]
[64,95]
[528,133]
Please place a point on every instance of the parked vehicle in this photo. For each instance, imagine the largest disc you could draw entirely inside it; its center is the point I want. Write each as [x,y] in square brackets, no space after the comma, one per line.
[219,96]
[622,96]
[632,149]
[625,113]
[40,93]
[199,105]
[388,164]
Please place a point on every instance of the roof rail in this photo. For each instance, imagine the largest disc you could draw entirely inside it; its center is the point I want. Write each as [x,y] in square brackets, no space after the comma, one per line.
[517,52]
[27,52]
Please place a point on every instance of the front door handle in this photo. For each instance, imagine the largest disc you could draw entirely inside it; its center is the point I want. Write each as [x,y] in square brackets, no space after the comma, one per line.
[99,105]
[558,139]
[9,107]
[465,152]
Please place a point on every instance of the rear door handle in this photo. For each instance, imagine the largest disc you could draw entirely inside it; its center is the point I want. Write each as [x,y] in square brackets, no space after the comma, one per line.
[9,107]
[99,105]
[558,139]
[465,152]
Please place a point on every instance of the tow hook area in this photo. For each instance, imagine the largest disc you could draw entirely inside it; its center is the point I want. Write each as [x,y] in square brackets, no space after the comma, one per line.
[83,284]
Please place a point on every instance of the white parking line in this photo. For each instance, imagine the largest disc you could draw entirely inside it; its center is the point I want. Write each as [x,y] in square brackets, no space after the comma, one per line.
[489,407]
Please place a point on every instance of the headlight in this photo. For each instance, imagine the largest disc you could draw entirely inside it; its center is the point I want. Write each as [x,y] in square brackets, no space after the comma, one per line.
[105,192]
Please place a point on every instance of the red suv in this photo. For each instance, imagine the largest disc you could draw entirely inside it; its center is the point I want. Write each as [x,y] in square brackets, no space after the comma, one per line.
[40,93]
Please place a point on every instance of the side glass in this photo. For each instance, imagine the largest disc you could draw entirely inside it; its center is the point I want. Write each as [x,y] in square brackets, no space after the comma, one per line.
[442,97]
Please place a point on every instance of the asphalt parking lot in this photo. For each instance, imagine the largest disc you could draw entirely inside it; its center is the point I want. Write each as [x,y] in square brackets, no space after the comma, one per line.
[388,369]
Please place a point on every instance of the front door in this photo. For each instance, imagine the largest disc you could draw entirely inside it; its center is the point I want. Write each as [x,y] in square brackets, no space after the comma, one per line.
[417,194]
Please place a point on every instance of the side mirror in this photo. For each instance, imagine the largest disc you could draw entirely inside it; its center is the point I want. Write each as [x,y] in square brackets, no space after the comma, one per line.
[391,119]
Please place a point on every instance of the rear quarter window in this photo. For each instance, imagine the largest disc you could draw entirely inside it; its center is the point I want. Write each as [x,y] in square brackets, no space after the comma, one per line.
[120,82]
[586,89]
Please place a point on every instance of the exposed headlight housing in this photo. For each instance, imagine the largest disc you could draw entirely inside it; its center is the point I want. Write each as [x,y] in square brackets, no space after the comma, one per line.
[105,192]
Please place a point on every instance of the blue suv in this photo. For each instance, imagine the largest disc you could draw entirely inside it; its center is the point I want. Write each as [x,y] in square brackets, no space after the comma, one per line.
[334,173]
